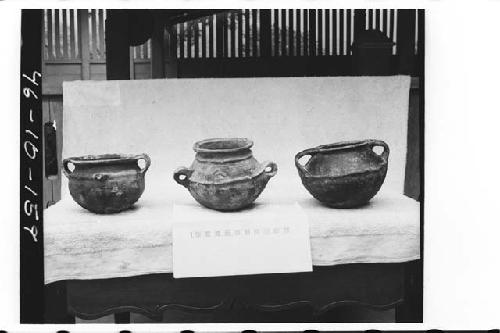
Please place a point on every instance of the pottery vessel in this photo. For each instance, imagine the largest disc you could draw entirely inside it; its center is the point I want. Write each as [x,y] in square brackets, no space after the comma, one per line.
[344,174]
[225,175]
[106,184]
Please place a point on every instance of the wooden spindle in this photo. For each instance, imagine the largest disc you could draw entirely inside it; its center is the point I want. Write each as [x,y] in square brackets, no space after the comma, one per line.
[72,28]
[93,20]
[101,33]
[291,48]
[231,32]
[384,21]
[211,41]
[247,33]
[312,32]
[276,32]
[219,36]
[348,31]
[204,37]
[57,35]
[255,33]
[196,38]
[65,35]
[335,36]
[283,39]
[189,39]
[327,32]
[306,32]
[391,24]
[298,33]
[50,35]
[225,24]
[320,44]
[240,33]
[341,32]
[377,19]
[182,40]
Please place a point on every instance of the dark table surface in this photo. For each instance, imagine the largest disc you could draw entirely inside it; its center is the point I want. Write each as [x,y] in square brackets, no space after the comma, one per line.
[251,298]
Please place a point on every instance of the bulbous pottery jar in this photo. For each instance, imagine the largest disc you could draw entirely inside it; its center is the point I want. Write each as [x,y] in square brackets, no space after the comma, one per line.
[344,174]
[106,184]
[224,175]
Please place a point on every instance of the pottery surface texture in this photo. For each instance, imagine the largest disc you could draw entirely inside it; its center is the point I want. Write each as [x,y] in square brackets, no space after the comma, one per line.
[106,184]
[344,174]
[225,175]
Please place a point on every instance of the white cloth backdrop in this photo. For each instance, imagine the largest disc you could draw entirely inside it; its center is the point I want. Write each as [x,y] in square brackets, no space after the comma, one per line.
[163,118]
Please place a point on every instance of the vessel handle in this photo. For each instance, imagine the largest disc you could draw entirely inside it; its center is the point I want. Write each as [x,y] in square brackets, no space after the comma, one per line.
[146,159]
[273,166]
[310,151]
[67,172]
[182,171]
[380,143]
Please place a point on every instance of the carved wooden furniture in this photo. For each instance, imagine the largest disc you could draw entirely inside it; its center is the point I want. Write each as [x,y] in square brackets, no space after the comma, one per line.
[255,298]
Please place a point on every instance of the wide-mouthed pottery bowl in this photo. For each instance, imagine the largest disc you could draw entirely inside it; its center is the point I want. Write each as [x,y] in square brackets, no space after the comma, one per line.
[225,175]
[344,174]
[106,184]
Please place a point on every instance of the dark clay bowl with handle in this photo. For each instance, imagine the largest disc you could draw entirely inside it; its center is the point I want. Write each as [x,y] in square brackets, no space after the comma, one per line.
[344,174]
[106,184]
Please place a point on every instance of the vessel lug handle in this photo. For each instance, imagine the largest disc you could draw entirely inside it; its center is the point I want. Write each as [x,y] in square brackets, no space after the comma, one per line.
[273,168]
[146,159]
[181,176]
[300,167]
[67,172]
[379,143]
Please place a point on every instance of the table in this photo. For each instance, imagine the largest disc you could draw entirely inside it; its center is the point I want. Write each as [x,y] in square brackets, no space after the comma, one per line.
[245,298]
[336,279]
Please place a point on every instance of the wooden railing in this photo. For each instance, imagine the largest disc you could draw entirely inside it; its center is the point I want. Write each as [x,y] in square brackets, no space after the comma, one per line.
[74,43]
[292,32]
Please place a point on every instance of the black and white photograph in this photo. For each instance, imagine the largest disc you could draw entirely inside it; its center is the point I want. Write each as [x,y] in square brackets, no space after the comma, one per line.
[224,166]
[249,166]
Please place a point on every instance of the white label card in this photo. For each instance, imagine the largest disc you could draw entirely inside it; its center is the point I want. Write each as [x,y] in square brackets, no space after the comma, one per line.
[261,240]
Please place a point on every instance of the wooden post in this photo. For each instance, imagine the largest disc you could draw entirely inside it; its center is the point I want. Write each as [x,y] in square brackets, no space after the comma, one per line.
[421,40]
[406,40]
[171,53]
[117,45]
[132,63]
[157,49]
[83,27]
[219,35]
[265,32]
